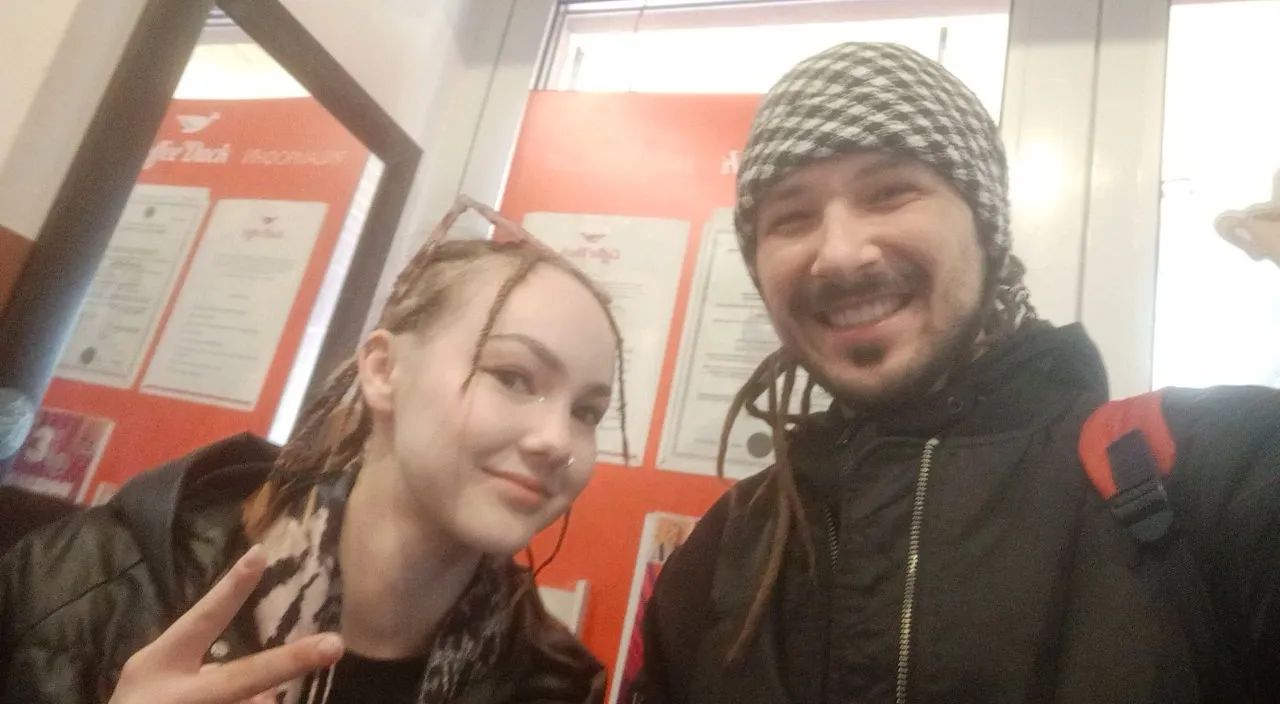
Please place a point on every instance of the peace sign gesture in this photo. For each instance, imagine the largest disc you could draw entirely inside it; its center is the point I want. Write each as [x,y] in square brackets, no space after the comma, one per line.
[170,670]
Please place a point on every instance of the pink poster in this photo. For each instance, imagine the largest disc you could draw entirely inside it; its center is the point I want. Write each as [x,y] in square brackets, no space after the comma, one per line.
[61,454]
[662,534]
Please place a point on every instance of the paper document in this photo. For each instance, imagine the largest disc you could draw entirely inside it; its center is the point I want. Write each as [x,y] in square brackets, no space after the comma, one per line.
[638,261]
[218,344]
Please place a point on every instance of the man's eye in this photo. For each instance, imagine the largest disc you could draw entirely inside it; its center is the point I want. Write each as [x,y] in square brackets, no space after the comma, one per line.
[512,380]
[891,195]
[787,221]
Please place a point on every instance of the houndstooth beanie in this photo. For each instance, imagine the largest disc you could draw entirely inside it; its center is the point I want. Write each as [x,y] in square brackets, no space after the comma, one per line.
[870,96]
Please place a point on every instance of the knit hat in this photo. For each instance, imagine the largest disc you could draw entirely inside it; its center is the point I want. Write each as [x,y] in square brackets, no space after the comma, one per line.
[885,97]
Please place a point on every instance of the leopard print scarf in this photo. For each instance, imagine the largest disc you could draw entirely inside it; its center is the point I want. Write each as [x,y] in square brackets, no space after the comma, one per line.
[301,594]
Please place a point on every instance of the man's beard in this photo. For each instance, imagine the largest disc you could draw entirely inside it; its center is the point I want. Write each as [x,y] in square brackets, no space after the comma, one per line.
[952,353]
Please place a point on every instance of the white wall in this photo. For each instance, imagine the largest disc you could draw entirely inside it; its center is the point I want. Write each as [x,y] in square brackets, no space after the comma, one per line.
[58,58]
[468,125]
[428,63]
[30,33]
[401,51]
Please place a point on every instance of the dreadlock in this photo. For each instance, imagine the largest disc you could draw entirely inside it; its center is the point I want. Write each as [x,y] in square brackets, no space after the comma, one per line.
[333,430]
[780,483]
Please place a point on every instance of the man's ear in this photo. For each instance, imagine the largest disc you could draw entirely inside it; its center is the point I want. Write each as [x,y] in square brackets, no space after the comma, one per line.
[376,361]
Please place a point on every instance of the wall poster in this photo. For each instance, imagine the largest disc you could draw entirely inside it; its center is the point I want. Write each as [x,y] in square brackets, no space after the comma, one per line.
[638,262]
[196,313]
[661,535]
[133,284]
[726,335]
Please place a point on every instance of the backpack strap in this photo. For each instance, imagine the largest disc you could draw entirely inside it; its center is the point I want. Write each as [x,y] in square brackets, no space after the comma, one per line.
[1127,450]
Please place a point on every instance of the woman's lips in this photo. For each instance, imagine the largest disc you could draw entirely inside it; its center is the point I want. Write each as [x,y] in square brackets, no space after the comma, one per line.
[522,488]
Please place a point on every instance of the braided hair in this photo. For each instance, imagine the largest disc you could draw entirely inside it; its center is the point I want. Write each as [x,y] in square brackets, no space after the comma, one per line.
[333,430]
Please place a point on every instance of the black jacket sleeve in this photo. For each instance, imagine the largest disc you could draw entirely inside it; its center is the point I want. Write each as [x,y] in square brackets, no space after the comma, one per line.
[1225,491]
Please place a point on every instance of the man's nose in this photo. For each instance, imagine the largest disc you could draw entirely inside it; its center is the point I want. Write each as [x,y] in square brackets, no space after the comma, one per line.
[848,241]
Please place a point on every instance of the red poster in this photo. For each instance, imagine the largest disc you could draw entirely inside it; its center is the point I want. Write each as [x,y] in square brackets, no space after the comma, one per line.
[196,313]
[60,454]
[629,165]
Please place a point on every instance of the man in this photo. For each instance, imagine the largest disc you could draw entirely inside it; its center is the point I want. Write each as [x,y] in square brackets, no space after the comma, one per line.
[935,537]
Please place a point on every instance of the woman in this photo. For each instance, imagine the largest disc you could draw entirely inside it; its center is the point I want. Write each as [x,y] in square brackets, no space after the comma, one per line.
[370,558]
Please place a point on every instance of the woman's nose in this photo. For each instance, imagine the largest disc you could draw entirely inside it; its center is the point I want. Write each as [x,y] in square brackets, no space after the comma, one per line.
[550,437]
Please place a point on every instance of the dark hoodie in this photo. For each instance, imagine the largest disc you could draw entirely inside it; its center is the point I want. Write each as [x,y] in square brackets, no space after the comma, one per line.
[23,511]
[79,596]
[1026,590]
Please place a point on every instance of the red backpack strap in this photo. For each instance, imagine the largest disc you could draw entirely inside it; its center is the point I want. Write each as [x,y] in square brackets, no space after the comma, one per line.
[1127,449]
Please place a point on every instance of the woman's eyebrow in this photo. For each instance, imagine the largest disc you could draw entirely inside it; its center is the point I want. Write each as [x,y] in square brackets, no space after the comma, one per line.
[539,350]
[549,358]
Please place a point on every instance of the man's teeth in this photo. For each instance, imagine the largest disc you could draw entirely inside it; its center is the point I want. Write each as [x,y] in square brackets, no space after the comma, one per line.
[867,313]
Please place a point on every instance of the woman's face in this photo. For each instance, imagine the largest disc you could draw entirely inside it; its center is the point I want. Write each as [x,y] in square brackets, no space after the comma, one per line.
[491,466]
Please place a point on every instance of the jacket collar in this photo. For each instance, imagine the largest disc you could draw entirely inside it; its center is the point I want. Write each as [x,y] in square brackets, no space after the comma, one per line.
[149,504]
[1001,390]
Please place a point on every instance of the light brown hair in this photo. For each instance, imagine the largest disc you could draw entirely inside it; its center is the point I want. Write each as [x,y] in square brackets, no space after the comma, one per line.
[332,432]
[779,485]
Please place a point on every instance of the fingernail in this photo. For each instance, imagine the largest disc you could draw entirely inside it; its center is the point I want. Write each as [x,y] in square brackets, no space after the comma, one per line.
[330,645]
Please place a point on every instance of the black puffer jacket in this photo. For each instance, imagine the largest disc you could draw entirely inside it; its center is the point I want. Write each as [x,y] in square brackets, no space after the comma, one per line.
[1027,589]
[78,597]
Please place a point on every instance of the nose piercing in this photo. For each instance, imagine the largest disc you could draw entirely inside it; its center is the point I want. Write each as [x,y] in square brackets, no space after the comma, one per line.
[569,464]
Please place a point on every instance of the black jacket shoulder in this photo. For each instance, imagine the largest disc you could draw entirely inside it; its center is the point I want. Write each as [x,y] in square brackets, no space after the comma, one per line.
[1225,494]
[24,511]
[82,594]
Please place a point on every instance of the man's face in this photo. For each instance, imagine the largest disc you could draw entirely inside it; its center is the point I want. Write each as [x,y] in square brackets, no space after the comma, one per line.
[871,269]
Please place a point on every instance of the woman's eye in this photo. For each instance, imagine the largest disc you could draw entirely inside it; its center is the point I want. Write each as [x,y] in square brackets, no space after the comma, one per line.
[589,416]
[512,380]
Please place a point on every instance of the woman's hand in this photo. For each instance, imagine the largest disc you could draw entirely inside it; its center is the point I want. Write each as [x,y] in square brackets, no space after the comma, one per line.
[170,670]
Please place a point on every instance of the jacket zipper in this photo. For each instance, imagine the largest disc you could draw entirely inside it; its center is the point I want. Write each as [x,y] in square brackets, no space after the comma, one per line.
[913,562]
[829,517]
[833,537]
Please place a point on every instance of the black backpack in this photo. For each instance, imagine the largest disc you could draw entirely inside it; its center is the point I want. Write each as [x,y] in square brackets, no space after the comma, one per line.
[1128,451]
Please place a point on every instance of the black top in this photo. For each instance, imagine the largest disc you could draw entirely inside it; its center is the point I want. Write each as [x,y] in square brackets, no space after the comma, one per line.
[358,679]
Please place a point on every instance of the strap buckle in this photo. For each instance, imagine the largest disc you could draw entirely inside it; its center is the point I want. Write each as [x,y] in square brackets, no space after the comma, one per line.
[1144,510]
[1141,504]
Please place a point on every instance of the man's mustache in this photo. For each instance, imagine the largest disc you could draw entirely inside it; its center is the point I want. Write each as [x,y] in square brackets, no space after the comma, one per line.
[822,294]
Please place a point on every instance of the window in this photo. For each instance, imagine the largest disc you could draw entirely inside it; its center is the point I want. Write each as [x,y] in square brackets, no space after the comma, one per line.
[744,48]
[228,65]
[1217,311]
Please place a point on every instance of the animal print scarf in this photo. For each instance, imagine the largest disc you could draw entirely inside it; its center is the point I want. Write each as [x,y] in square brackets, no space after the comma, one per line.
[301,594]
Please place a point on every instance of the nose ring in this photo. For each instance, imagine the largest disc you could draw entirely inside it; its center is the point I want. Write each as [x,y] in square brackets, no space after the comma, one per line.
[569,464]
